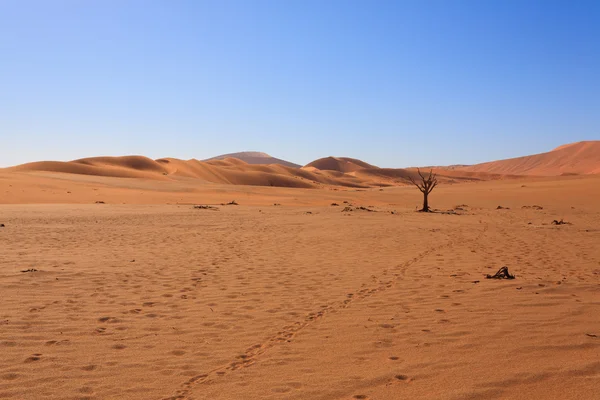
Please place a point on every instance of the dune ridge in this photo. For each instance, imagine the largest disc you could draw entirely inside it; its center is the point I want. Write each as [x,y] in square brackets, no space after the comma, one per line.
[344,172]
[580,158]
[260,169]
[255,157]
[229,171]
[339,164]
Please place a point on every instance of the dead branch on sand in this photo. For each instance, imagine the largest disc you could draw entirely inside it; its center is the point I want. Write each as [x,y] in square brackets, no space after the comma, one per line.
[501,274]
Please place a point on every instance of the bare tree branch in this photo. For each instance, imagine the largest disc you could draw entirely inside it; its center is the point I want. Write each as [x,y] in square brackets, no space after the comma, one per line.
[421,188]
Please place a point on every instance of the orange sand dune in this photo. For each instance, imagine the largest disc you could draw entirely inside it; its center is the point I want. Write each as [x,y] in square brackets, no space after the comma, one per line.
[138,163]
[343,172]
[255,157]
[575,158]
[232,171]
[229,170]
[340,164]
[375,176]
[124,167]
[396,176]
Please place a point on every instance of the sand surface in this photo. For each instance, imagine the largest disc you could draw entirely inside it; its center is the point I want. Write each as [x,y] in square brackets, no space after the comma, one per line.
[149,300]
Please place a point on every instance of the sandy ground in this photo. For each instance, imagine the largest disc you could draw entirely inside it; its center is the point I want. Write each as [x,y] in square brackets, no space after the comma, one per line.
[162,301]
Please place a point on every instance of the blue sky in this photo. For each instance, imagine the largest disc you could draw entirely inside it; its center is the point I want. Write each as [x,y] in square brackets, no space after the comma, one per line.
[395,83]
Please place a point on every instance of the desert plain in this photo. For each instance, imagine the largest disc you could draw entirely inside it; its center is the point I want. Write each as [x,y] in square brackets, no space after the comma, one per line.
[115,287]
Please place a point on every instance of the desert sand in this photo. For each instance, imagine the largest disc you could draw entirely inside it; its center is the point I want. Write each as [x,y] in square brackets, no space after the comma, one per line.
[113,286]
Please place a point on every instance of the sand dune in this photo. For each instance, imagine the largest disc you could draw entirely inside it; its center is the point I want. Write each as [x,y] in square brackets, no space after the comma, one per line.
[138,163]
[400,176]
[124,167]
[339,164]
[229,170]
[375,176]
[259,169]
[255,157]
[575,158]
[352,173]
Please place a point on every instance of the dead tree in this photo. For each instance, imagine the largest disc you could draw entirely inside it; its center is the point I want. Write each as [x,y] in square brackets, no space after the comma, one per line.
[426,186]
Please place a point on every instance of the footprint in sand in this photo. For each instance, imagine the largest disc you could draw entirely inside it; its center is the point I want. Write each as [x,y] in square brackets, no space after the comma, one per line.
[282,389]
[34,357]
[110,320]
[10,376]
[86,390]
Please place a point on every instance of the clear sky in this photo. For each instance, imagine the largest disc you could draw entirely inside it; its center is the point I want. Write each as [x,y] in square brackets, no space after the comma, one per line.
[395,83]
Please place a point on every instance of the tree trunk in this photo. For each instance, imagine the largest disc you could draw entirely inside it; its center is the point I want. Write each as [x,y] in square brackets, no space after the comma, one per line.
[425,203]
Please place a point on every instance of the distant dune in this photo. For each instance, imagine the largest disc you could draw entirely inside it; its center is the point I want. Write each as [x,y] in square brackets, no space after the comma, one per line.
[255,157]
[260,169]
[123,167]
[579,158]
[339,164]
[228,171]
[344,166]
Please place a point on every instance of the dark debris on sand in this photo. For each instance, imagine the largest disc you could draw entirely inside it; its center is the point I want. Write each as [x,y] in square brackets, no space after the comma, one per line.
[359,208]
[203,207]
[534,207]
[501,274]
